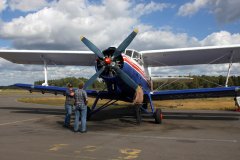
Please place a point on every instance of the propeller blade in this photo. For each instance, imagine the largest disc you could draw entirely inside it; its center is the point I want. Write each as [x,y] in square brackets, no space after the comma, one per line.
[93,78]
[126,78]
[92,47]
[125,43]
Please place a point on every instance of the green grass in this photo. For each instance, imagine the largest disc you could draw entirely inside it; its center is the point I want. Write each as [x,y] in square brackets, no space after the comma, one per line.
[190,104]
[201,103]
[13,91]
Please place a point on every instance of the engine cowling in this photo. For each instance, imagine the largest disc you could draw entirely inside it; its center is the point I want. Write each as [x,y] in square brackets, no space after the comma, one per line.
[108,62]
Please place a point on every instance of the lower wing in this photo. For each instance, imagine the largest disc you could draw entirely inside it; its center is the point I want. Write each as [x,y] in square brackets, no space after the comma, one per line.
[196,93]
[50,89]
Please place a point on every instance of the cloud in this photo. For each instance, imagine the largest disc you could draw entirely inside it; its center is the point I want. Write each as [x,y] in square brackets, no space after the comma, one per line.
[221,38]
[143,9]
[224,11]
[150,38]
[27,5]
[61,25]
[189,9]
[106,23]
[3,5]
[227,11]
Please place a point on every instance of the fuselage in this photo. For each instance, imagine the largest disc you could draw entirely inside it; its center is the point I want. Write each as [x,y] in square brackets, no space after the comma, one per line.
[136,72]
[134,68]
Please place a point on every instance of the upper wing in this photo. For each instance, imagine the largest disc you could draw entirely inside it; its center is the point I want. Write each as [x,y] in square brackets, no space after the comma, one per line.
[83,58]
[191,56]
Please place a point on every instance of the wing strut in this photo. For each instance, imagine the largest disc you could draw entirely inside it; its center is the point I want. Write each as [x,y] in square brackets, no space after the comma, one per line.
[229,69]
[45,71]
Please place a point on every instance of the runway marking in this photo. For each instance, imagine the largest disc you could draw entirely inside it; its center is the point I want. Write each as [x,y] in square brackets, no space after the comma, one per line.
[26,120]
[87,148]
[130,153]
[167,138]
[57,147]
[90,148]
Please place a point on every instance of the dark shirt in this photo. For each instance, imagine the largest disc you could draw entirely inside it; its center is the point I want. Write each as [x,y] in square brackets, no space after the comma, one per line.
[69,99]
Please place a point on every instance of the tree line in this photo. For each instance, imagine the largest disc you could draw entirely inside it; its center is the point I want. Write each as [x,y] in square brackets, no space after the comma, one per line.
[202,81]
[99,85]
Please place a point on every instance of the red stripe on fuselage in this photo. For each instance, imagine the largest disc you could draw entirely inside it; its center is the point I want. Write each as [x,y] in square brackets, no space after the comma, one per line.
[135,66]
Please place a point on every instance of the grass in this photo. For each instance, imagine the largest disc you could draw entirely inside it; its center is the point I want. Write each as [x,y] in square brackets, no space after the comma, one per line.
[190,104]
[12,91]
[201,103]
[58,101]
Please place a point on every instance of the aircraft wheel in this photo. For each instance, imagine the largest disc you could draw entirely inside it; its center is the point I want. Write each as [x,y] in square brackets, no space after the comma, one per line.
[158,116]
[138,114]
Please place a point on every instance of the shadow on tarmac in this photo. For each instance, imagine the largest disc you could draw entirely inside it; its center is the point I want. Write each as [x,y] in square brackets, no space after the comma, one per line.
[201,116]
[127,114]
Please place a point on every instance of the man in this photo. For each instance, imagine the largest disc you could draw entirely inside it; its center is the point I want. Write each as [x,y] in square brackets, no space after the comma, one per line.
[138,100]
[69,102]
[81,101]
[237,103]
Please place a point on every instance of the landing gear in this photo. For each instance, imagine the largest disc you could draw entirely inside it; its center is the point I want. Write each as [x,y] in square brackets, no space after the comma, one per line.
[158,116]
[88,113]
[138,113]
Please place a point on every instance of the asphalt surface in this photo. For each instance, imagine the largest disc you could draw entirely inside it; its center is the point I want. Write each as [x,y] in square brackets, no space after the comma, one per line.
[31,131]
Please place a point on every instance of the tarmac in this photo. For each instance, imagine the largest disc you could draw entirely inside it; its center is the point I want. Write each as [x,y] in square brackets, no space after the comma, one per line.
[33,131]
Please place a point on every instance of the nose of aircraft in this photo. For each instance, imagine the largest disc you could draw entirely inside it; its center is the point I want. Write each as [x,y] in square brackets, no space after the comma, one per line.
[107,60]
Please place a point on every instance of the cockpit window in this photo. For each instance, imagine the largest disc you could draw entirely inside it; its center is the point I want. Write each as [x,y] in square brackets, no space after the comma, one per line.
[135,55]
[129,53]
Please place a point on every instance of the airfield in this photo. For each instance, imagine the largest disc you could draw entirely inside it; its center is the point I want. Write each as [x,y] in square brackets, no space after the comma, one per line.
[34,131]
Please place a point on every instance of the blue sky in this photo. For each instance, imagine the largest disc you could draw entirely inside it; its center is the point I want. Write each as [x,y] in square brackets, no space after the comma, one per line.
[199,24]
[57,25]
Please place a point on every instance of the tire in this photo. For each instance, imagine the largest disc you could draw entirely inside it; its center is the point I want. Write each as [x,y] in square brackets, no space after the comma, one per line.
[158,116]
[138,114]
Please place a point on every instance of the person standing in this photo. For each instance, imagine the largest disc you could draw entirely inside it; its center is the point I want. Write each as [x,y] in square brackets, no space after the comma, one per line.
[237,102]
[81,101]
[138,102]
[69,102]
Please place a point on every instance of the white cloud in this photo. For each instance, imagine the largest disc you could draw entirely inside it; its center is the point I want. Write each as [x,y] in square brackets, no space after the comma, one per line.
[221,38]
[150,38]
[191,8]
[143,9]
[225,11]
[3,5]
[27,5]
[18,73]
[60,25]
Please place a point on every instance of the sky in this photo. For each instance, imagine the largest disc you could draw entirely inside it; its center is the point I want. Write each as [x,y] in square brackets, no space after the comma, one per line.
[162,24]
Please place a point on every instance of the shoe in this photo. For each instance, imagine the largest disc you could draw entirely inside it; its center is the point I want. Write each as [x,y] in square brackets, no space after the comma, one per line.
[84,131]
[75,131]
[66,126]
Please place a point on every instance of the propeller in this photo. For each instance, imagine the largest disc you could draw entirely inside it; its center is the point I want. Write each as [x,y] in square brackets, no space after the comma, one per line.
[126,78]
[110,61]
[93,78]
[121,48]
[92,47]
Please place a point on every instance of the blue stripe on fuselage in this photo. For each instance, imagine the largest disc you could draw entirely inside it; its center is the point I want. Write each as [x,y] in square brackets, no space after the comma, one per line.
[136,76]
